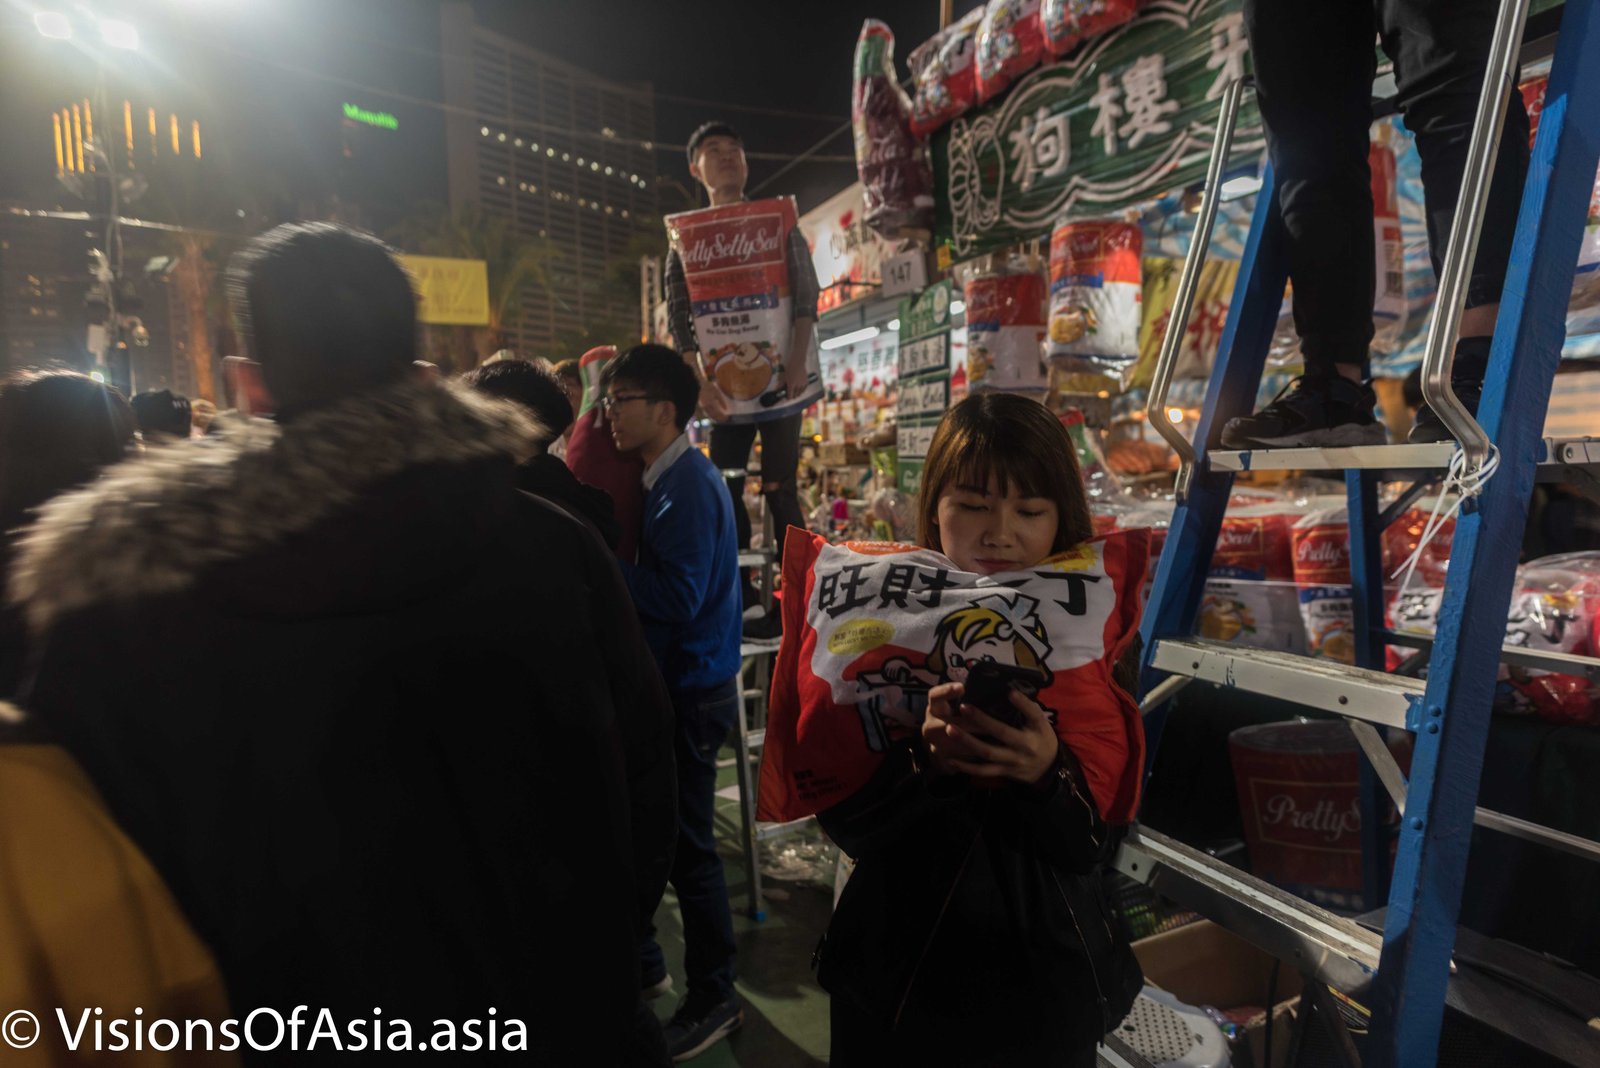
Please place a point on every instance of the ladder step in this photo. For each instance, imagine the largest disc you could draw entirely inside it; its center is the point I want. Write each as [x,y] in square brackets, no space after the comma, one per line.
[1434,457]
[755,557]
[765,832]
[1560,454]
[1324,684]
[748,648]
[1560,663]
[1315,941]
[755,739]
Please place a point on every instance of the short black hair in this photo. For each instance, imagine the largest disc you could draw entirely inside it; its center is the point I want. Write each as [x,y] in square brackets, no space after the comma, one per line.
[162,411]
[526,383]
[57,430]
[326,310]
[659,371]
[714,128]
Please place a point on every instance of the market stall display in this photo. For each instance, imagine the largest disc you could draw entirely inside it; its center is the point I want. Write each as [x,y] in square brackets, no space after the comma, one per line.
[892,163]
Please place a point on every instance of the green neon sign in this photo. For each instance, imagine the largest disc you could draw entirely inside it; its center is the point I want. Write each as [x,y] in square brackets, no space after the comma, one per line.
[381,119]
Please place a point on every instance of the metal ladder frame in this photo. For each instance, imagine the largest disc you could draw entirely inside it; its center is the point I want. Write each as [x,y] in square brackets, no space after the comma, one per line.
[1450,714]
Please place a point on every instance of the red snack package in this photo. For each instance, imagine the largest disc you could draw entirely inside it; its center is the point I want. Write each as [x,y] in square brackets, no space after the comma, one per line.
[1554,607]
[878,625]
[735,259]
[1009,44]
[892,165]
[1005,324]
[1250,596]
[1096,291]
[1066,23]
[1322,573]
[945,75]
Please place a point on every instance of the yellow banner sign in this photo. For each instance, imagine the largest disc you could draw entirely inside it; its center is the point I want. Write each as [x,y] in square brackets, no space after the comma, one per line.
[450,292]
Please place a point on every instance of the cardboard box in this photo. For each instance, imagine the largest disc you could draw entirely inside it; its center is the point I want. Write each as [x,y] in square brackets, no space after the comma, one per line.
[1202,964]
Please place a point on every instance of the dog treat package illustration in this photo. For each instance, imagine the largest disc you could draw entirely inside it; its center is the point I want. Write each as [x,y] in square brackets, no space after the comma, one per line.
[946,79]
[871,627]
[735,260]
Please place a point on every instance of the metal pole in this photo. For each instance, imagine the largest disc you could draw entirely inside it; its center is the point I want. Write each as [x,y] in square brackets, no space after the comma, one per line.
[1183,302]
[1445,327]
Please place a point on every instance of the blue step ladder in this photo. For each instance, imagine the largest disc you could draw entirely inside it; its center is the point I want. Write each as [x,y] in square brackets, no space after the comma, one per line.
[1403,974]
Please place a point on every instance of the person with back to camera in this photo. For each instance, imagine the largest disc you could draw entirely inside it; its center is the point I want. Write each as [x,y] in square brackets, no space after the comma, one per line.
[352,692]
[973,930]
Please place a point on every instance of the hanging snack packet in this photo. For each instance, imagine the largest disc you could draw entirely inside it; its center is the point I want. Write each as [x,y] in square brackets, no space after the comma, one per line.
[1009,44]
[1322,575]
[736,264]
[1096,295]
[1005,324]
[892,165]
[1067,23]
[945,75]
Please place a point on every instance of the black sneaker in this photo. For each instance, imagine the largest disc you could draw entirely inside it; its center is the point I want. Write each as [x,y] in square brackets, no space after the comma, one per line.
[1430,428]
[1327,410]
[696,1027]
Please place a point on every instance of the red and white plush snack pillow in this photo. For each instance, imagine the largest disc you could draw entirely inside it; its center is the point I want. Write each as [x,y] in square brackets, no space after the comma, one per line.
[880,624]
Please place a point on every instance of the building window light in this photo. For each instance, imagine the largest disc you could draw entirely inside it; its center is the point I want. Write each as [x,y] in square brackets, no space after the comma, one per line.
[594,166]
[484,130]
[566,157]
[550,152]
[608,170]
[533,146]
[502,137]
[517,142]
[501,179]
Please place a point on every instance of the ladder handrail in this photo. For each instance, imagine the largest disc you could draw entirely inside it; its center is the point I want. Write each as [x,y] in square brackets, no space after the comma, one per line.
[1188,283]
[1444,324]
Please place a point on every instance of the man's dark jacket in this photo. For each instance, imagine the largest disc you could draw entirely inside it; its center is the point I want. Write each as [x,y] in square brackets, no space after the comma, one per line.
[364,706]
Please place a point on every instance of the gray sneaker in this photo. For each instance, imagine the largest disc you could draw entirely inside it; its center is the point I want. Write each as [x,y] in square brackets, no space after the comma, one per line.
[696,1026]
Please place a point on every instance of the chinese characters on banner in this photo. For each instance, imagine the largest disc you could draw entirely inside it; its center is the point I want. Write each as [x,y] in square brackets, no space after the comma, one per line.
[1130,115]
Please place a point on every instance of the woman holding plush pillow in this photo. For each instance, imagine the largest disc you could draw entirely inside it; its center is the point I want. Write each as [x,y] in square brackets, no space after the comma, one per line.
[973,930]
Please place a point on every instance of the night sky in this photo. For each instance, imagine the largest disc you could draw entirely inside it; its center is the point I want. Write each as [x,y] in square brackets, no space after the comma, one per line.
[268,77]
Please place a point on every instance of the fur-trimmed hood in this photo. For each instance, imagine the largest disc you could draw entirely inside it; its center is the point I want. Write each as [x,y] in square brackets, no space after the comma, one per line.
[150,525]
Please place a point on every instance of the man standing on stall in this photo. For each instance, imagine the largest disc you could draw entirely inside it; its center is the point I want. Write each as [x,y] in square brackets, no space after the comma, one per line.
[774,411]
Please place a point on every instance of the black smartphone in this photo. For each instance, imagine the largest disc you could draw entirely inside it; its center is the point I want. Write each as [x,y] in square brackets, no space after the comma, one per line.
[989,685]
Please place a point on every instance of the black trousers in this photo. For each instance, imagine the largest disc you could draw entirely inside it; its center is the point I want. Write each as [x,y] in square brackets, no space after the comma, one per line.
[1314,63]
[780,456]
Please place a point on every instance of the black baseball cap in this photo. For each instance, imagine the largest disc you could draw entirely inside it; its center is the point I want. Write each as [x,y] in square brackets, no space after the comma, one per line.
[711,129]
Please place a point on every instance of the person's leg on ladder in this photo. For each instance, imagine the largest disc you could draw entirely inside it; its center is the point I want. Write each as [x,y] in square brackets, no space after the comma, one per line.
[1441,52]
[730,451]
[1314,63]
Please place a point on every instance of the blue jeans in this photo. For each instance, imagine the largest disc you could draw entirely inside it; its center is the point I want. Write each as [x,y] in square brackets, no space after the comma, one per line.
[704,718]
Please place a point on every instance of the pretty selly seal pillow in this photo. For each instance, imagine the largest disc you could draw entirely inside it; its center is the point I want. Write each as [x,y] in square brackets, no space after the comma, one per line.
[870,627]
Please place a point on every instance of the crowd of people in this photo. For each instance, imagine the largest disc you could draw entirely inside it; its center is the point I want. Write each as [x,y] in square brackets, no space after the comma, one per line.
[404,703]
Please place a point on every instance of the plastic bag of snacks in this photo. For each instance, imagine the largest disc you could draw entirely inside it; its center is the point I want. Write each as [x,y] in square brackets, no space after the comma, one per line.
[736,264]
[945,75]
[1009,44]
[1005,325]
[1322,577]
[1411,603]
[892,164]
[1096,290]
[1251,596]
[1098,478]
[1067,23]
[1555,607]
[870,628]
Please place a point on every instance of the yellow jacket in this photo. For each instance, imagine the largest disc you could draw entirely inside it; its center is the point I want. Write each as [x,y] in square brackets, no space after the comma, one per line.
[86,923]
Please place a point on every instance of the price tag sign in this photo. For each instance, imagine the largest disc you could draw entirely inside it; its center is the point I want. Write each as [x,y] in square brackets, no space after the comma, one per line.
[905,273]
[930,396]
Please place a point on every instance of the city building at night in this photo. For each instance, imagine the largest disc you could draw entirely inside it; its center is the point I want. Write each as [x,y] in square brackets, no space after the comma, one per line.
[561,154]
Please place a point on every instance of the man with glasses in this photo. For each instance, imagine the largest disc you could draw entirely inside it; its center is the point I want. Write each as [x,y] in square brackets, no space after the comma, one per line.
[685,586]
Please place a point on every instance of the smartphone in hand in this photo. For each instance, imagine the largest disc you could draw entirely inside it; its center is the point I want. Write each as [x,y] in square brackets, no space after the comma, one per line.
[989,685]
